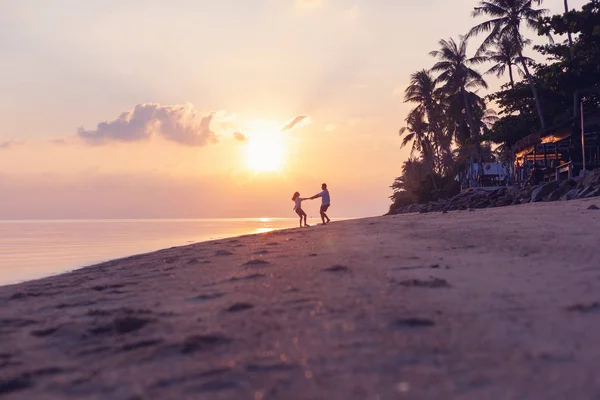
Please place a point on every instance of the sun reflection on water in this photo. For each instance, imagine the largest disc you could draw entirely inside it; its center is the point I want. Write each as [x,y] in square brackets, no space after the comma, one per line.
[264,230]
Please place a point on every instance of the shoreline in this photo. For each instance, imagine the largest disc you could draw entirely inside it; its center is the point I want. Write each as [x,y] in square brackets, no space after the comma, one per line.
[90,242]
[94,264]
[495,303]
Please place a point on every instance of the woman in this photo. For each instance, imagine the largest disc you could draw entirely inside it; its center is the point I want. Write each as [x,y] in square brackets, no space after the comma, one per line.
[298,207]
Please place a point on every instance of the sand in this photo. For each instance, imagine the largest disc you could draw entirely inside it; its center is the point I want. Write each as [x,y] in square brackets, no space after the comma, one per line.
[491,304]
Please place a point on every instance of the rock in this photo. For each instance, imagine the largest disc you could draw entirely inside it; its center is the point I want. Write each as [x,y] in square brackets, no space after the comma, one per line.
[594,193]
[571,194]
[554,196]
[542,191]
[569,183]
[477,198]
[590,178]
[583,193]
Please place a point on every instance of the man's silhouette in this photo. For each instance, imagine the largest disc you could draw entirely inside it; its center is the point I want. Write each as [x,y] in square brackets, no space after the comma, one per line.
[325,203]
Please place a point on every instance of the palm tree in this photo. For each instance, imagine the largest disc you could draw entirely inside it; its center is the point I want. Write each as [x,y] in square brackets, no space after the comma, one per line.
[458,77]
[569,35]
[508,16]
[416,130]
[423,91]
[505,56]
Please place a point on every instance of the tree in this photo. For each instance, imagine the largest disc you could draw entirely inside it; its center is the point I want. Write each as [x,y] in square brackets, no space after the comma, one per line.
[422,90]
[507,18]
[505,56]
[569,35]
[416,131]
[457,77]
[407,187]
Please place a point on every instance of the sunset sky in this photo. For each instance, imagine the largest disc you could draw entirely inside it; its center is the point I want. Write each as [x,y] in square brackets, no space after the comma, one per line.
[196,108]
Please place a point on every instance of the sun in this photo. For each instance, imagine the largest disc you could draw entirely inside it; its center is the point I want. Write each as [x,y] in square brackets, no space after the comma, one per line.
[265,152]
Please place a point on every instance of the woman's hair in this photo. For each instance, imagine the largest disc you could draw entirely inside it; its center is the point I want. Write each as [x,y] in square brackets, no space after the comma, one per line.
[295,195]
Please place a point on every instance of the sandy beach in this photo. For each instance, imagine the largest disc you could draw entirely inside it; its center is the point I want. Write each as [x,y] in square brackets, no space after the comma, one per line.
[499,303]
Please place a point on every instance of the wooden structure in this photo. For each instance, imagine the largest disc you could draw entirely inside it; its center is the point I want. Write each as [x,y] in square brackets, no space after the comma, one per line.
[559,151]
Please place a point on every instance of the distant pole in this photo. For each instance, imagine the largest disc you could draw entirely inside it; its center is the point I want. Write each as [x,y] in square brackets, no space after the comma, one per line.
[582,136]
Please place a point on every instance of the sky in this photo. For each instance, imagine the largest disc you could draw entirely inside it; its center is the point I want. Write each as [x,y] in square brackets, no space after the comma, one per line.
[199,109]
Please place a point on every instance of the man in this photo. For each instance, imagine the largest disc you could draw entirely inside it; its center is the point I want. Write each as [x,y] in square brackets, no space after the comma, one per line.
[325,203]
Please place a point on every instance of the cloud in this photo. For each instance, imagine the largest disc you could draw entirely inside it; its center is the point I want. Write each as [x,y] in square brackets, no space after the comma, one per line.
[240,136]
[309,3]
[181,124]
[9,144]
[299,120]
[352,13]
[58,142]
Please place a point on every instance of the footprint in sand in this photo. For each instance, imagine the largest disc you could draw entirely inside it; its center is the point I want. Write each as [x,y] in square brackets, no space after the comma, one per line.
[44,332]
[237,307]
[179,380]
[256,262]
[431,283]
[274,367]
[584,308]
[214,386]
[207,297]
[125,321]
[412,323]
[121,325]
[337,268]
[27,379]
[141,344]
[223,253]
[195,343]
[246,277]
[101,288]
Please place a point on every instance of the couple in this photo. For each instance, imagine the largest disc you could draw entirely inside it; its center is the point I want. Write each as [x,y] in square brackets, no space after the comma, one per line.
[325,202]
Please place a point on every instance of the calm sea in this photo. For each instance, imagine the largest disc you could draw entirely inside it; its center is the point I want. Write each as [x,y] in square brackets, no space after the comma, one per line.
[33,249]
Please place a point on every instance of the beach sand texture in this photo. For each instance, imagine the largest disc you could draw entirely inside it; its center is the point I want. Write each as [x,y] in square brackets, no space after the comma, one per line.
[500,303]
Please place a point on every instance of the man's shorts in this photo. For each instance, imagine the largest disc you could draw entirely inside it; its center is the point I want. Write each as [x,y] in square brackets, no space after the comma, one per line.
[324,207]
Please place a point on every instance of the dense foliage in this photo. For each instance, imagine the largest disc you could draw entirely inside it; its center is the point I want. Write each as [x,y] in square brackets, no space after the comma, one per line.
[453,123]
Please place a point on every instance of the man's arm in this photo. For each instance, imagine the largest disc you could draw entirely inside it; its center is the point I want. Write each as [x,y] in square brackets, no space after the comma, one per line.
[316,195]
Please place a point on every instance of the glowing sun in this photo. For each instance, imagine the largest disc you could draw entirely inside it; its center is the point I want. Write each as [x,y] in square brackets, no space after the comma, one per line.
[265,152]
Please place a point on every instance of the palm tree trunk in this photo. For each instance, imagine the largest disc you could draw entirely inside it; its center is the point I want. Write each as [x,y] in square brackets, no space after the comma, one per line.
[433,122]
[538,103]
[570,36]
[474,135]
[510,73]
[427,154]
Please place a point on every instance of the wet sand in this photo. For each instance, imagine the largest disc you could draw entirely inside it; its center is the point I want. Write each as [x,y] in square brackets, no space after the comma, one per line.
[500,303]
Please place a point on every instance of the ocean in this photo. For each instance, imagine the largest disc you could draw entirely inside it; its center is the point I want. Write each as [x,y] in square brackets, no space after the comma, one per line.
[31,249]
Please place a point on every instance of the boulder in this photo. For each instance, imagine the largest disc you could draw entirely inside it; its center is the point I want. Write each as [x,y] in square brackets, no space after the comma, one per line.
[543,190]
[474,198]
[569,183]
[554,196]
[571,194]
[585,191]
[593,193]
[590,178]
